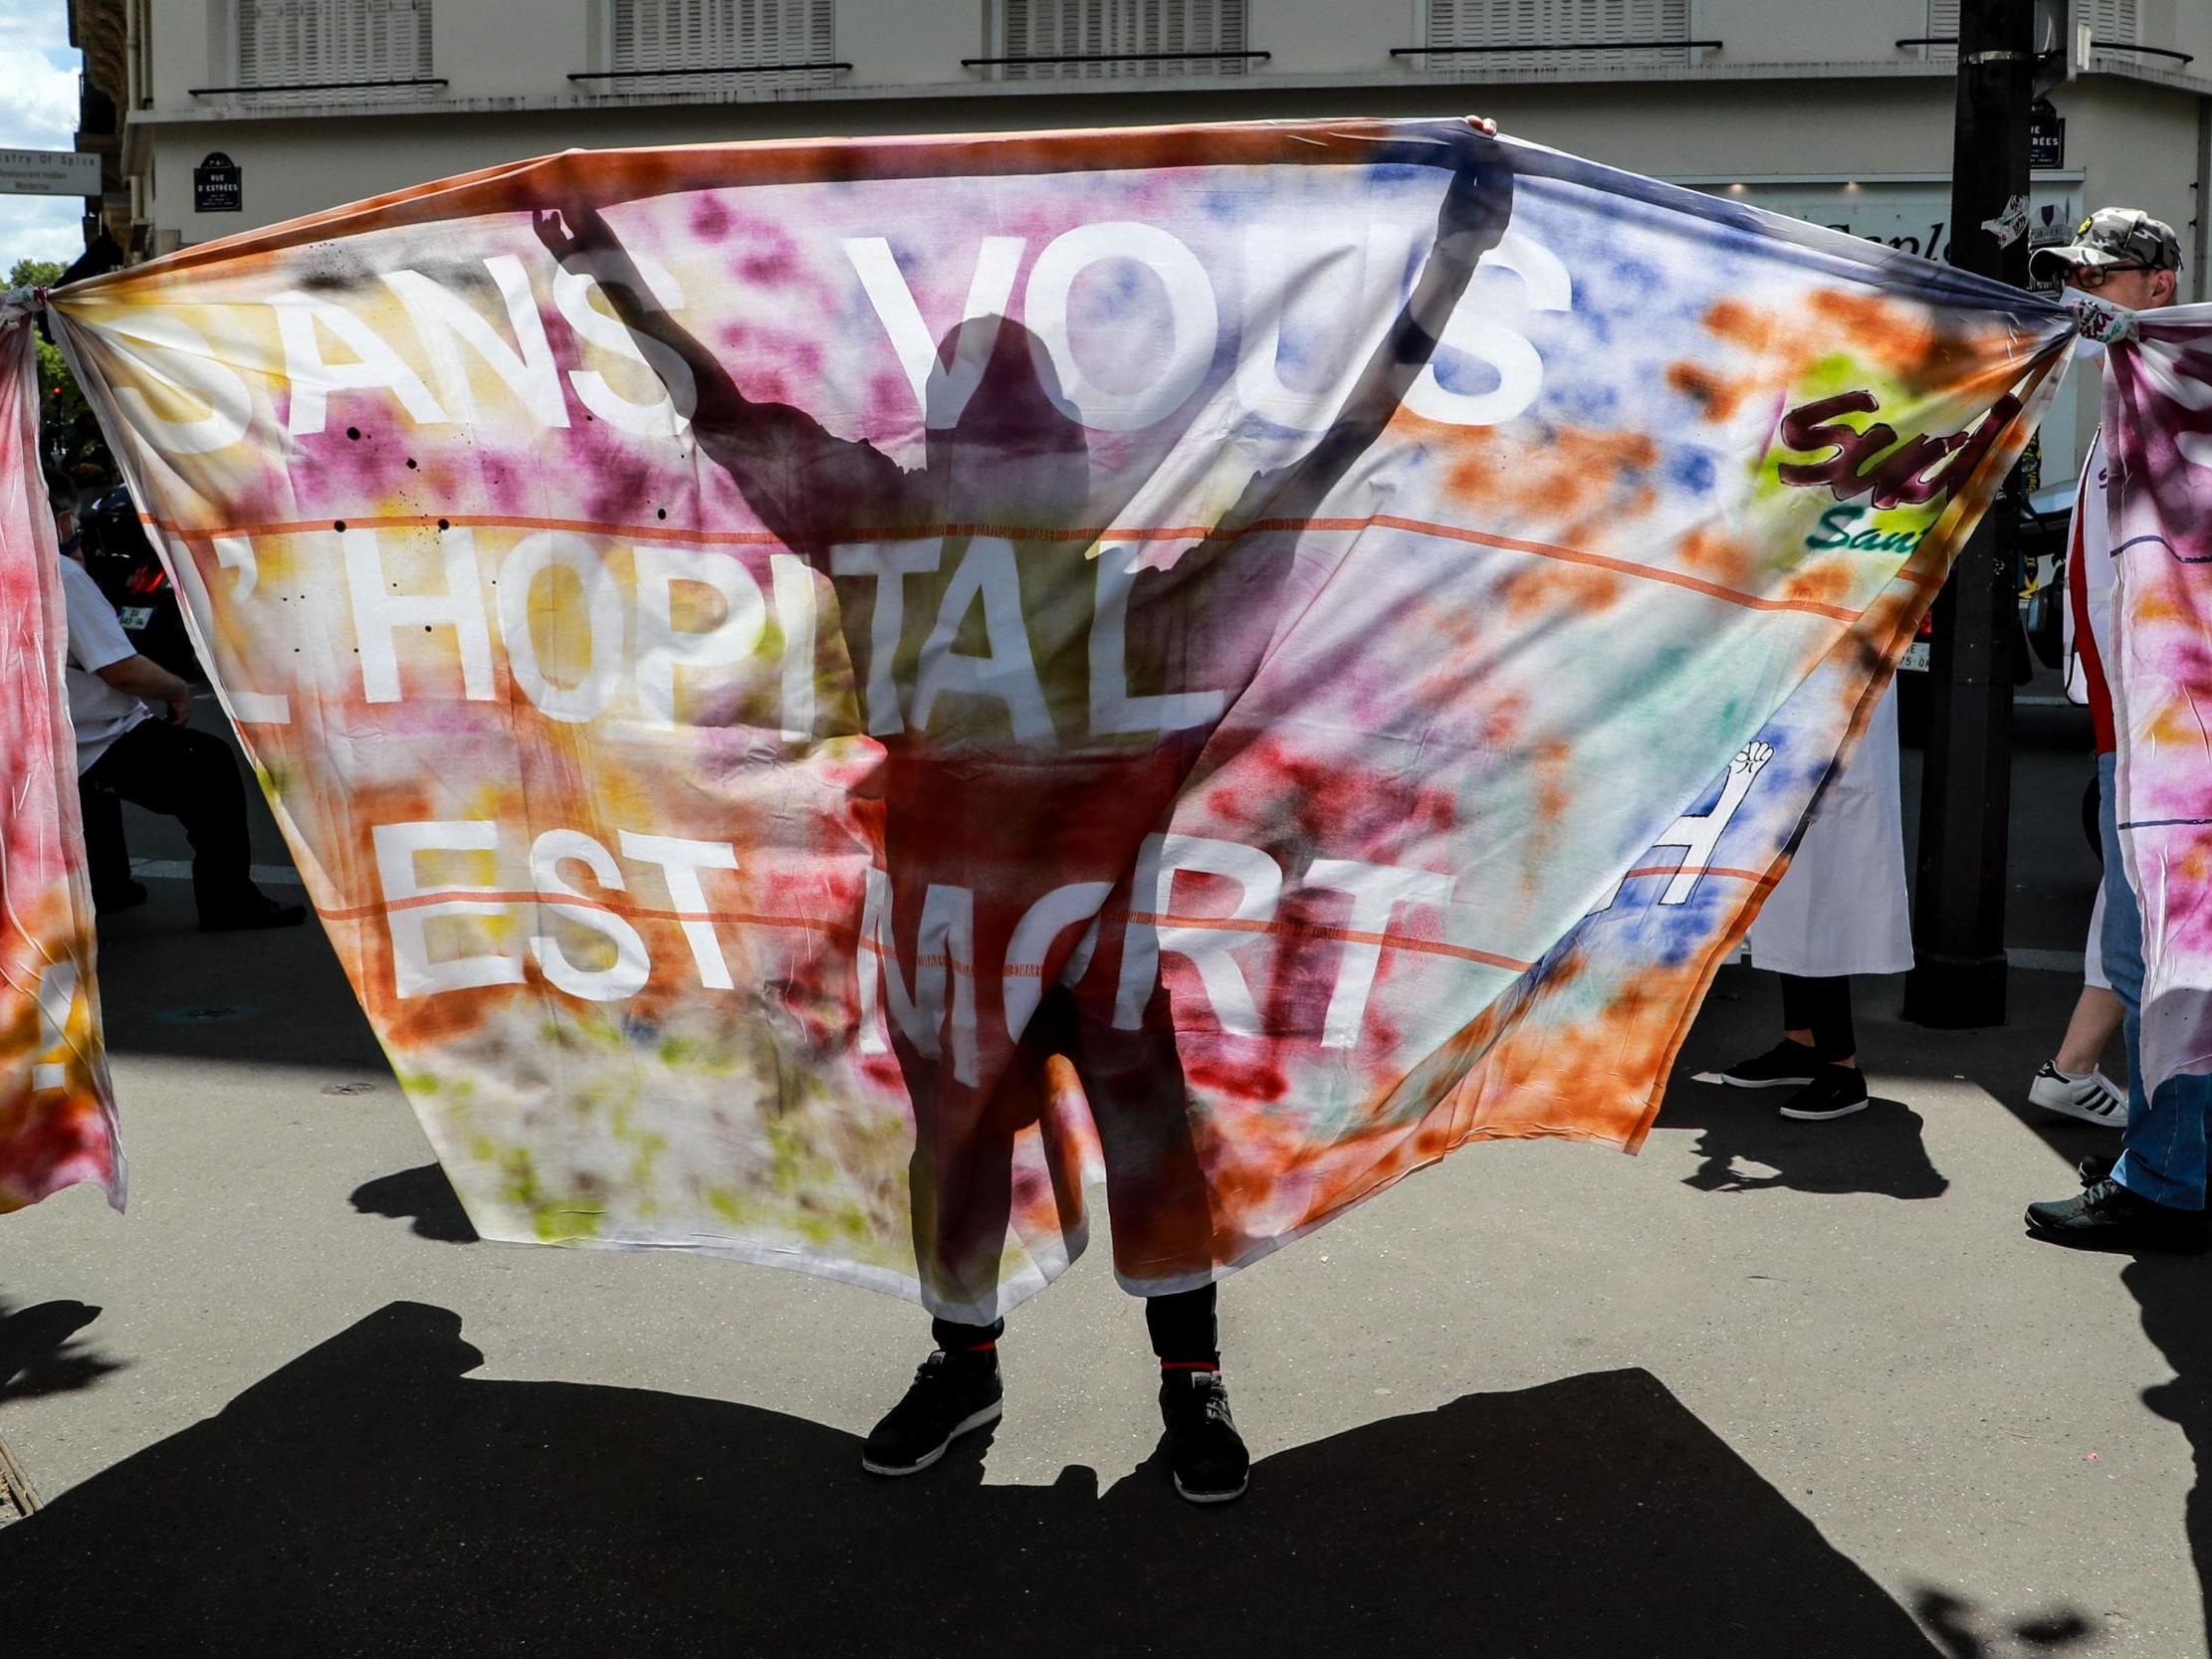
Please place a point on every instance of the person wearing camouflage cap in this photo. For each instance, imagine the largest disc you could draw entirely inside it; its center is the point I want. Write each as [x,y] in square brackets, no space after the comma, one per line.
[2119,254]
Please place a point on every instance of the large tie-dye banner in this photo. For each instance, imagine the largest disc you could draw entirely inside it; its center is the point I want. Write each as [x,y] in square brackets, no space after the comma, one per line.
[2159,440]
[57,1116]
[820,688]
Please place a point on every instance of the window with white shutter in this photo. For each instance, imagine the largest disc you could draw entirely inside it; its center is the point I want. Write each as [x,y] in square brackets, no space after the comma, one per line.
[2114,25]
[1100,27]
[720,37]
[290,43]
[2112,22]
[1615,26]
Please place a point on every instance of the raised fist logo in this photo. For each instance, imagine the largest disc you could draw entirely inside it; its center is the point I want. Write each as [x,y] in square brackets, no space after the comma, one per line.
[1751,759]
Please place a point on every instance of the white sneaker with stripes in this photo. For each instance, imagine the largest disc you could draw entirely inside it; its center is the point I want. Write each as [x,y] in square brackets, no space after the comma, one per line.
[2092,1096]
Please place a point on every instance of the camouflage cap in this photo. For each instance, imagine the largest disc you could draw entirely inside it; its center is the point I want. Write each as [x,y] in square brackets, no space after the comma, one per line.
[2115,236]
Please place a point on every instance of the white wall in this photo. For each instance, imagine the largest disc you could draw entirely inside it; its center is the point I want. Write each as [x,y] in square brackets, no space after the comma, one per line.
[914,42]
[1851,30]
[2137,148]
[1756,128]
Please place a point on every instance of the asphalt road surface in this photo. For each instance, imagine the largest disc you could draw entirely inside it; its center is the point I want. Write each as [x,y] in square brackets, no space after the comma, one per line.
[1770,1389]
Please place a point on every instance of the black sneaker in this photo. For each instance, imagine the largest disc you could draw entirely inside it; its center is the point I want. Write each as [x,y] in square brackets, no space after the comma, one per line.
[952,1394]
[1838,1092]
[2092,1170]
[1786,1065]
[1205,1450]
[2106,1216]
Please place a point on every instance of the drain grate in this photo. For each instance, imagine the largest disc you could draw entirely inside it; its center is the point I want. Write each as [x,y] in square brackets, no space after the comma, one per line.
[17,1500]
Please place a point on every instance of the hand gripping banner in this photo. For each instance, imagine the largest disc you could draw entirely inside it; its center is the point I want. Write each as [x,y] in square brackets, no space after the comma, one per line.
[57,1116]
[823,691]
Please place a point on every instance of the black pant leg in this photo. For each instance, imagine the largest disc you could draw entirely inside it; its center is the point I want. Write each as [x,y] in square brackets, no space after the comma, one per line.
[1837,1038]
[107,853]
[191,776]
[1798,1000]
[1183,1327]
[1823,1008]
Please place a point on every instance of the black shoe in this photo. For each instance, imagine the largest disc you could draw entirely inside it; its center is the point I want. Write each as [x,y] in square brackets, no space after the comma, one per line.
[2092,1170]
[260,911]
[2106,1216]
[1205,1450]
[1838,1092]
[1785,1065]
[124,896]
[952,1394]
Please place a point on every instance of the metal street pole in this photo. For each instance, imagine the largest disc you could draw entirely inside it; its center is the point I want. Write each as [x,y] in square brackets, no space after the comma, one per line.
[1958,918]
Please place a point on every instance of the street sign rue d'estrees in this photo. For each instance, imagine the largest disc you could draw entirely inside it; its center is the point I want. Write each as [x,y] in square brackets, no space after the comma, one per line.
[2045,137]
[216,185]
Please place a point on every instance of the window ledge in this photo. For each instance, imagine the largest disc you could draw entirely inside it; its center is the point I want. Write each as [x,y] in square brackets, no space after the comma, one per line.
[1366,79]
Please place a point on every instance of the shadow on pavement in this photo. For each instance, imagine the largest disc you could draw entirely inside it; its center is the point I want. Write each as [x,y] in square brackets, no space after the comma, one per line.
[275,998]
[1966,1631]
[1746,1146]
[367,1499]
[423,1195]
[2173,1293]
[40,1352]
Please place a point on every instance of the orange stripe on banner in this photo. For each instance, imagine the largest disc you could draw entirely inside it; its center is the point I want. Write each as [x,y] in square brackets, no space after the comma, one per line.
[1221,923]
[474,896]
[1079,535]
[1395,942]
[1758,877]
[1596,562]
[1083,535]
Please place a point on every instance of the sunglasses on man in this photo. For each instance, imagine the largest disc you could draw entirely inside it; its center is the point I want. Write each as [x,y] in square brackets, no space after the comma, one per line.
[2093,277]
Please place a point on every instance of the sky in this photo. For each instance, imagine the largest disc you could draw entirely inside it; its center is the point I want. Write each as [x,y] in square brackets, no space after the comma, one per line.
[38,110]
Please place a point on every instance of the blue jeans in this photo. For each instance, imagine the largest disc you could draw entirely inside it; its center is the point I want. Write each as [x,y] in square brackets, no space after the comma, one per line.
[2164,1155]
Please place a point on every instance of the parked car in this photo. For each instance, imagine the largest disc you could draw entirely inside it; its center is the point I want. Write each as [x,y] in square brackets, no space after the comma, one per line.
[123,563]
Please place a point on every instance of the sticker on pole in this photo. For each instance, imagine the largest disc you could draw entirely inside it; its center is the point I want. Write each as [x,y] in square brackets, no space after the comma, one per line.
[2011,225]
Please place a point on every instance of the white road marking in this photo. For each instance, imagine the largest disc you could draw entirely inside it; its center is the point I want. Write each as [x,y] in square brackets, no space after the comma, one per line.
[177,870]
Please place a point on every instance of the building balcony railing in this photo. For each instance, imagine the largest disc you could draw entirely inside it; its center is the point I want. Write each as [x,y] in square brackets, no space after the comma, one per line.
[2183,58]
[269,89]
[819,73]
[1555,45]
[1230,60]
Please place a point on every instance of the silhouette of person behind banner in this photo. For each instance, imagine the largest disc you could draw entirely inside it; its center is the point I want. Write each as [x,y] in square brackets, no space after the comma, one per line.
[1012,805]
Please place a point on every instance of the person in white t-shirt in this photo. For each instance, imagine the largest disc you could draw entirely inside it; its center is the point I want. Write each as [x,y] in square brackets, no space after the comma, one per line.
[2073,1081]
[107,854]
[127,749]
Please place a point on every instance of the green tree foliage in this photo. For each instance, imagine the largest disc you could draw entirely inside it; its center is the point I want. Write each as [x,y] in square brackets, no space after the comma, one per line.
[35,273]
